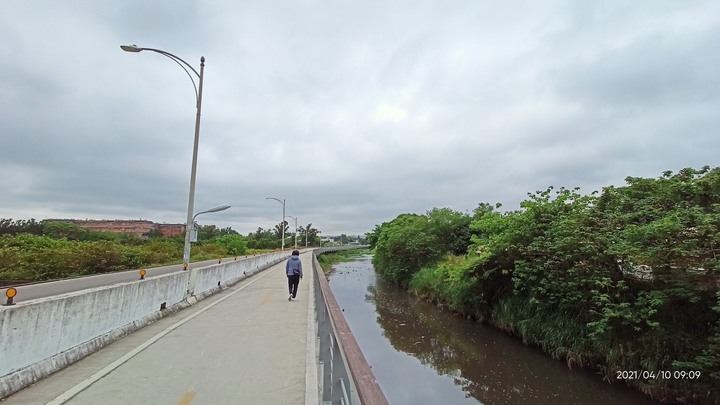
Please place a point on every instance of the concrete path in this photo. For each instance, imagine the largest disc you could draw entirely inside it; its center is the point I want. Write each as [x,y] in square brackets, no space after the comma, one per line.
[244,345]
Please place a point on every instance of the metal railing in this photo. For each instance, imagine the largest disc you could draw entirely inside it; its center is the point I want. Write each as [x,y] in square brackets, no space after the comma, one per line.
[344,375]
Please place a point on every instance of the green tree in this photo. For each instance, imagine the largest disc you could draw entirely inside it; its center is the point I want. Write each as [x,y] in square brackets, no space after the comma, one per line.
[404,245]
[371,237]
[451,228]
[262,239]
[281,229]
[235,245]
[308,233]
[63,229]
[10,227]
[206,232]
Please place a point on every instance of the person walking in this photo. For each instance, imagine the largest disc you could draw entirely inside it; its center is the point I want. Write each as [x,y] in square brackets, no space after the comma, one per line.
[293,270]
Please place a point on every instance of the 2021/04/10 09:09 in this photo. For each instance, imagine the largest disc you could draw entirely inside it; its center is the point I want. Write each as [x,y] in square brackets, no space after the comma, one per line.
[661,374]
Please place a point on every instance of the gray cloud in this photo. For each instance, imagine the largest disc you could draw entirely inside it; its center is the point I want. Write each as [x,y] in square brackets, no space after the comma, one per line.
[352,112]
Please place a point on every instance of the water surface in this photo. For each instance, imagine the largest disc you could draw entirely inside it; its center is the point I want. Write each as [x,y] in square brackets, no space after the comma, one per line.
[421,354]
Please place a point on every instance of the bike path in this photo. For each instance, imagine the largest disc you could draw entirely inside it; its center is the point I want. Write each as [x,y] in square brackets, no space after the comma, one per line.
[246,344]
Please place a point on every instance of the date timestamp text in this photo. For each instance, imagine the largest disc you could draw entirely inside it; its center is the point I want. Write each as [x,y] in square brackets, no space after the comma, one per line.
[657,375]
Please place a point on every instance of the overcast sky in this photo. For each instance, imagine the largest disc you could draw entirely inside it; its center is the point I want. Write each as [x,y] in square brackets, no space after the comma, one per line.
[352,111]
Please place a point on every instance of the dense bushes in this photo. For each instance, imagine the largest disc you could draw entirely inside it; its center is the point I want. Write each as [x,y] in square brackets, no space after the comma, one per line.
[406,245]
[411,241]
[624,280]
[38,257]
[30,257]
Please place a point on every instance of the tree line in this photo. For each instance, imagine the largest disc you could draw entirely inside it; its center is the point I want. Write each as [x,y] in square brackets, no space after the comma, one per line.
[624,279]
[33,250]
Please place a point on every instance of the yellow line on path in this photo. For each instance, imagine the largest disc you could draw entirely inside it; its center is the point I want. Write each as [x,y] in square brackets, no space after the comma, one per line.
[266,298]
[187,398]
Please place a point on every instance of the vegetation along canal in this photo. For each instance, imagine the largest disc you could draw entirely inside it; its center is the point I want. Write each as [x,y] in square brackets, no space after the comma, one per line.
[422,354]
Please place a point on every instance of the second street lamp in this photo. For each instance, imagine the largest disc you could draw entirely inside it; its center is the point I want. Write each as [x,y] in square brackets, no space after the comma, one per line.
[282,224]
[295,218]
[198,98]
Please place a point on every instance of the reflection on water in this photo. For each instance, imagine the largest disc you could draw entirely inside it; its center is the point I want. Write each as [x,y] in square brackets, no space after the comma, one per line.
[423,355]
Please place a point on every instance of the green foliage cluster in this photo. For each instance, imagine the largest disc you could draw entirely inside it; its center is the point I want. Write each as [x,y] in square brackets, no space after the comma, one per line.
[37,258]
[270,238]
[623,280]
[263,239]
[209,232]
[10,227]
[47,250]
[233,245]
[411,241]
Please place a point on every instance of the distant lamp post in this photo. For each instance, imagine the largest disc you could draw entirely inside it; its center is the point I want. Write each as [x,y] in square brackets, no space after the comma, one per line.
[295,218]
[282,224]
[198,98]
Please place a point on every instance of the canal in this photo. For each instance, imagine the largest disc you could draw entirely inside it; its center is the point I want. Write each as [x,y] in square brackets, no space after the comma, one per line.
[421,354]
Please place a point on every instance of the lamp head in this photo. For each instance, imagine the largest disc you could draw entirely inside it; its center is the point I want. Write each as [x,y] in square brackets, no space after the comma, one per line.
[219,208]
[130,48]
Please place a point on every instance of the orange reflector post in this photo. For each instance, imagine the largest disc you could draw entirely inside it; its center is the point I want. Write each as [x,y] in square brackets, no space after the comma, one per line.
[142,274]
[10,293]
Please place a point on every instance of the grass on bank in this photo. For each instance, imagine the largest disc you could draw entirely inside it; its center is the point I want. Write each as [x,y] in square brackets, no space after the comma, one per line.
[327,260]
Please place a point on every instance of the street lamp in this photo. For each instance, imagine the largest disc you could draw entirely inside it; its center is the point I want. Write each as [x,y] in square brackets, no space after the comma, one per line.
[282,224]
[295,218]
[198,98]
[193,236]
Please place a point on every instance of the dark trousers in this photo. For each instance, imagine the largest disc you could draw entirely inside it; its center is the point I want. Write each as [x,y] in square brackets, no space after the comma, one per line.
[293,282]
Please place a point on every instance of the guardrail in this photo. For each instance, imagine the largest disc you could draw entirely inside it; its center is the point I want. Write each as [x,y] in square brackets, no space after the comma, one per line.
[344,375]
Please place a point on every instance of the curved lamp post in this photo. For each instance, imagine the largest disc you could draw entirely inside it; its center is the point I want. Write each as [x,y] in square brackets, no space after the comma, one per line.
[192,226]
[295,218]
[282,224]
[198,98]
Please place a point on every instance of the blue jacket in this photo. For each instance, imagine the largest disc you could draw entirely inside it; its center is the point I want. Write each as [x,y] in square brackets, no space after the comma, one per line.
[293,266]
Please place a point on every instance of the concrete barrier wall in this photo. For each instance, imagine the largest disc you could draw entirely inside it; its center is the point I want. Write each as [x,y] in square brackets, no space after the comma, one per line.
[40,337]
[209,279]
[35,330]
